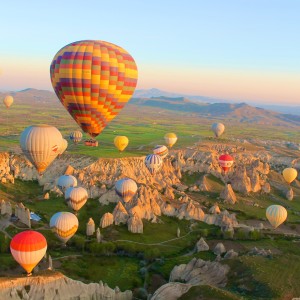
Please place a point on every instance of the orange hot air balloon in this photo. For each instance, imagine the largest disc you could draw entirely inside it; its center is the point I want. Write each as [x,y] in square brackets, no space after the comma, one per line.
[28,248]
[93,80]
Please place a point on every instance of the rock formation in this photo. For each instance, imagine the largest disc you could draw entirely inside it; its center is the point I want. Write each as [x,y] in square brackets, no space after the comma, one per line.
[196,272]
[219,249]
[6,208]
[46,196]
[230,254]
[56,286]
[135,224]
[98,235]
[215,209]
[228,194]
[202,245]
[23,214]
[289,194]
[90,227]
[120,214]
[106,220]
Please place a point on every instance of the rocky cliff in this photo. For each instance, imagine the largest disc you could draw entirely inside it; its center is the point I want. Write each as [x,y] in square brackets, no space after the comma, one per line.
[56,286]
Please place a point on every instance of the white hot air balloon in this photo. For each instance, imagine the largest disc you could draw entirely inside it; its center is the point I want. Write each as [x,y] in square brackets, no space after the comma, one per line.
[153,162]
[161,150]
[76,197]
[63,146]
[41,144]
[218,129]
[64,225]
[66,181]
[126,188]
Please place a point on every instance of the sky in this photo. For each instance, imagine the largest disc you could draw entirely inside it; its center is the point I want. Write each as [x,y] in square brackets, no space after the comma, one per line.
[245,50]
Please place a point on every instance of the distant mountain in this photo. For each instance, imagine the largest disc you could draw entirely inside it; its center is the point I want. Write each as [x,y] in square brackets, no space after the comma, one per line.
[150,93]
[240,112]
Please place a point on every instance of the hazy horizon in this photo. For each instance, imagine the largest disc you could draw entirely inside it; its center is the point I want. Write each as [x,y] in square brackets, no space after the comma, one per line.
[242,51]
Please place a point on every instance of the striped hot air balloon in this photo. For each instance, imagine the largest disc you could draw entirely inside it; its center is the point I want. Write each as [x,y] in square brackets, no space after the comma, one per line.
[28,248]
[171,139]
[64,225]
[93,80]
[76,197]
[161,150]
[154,163]
[226,162]
[218,129]
[66,181]
[41,145]
[121,142]
[8,101]
[289,175]
[276,214]
[126,188]
[76,136]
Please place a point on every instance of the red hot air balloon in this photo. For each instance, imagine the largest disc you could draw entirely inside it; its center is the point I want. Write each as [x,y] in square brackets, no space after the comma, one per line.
[225,162]
[28,248]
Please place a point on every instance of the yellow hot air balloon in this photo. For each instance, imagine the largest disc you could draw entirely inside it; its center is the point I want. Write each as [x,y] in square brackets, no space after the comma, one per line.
[171,139]
[276,214]
[121,142]
[93,80]
[28,248]
[8,101]
[64,224]
[289,174]
[41,145]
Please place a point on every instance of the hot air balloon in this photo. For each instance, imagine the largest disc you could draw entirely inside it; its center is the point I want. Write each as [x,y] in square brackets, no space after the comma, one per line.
[41,145]
[289,175]
[276,214]
[225,161]
[126,188]
[171,139]
[218,129]
[153,162]
[28,248]
[64,224]
[76,197]
[161,150]
[8,101]
[63,146]
[76,136]
[93,80]
[66,181]
[121,142]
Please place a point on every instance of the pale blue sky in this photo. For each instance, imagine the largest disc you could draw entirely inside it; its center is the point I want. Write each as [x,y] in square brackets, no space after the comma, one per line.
[189,42]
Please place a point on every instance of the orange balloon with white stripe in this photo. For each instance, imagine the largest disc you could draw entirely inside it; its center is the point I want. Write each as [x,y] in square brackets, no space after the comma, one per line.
[28,248]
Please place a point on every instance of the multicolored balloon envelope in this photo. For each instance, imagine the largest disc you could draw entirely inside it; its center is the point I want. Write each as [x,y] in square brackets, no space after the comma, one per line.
[153,163]
[276,214]
[28,248]
[171,139]
[76,136]
[226,162]
[121,142]
[8,101]
[289,174]
[64,224]
[126,188]
[218,129]
[93,80]
[41,144]
[76,197]
[66,181]
[161,150]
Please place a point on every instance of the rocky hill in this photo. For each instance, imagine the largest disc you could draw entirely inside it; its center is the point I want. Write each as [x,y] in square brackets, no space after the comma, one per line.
[56,286]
